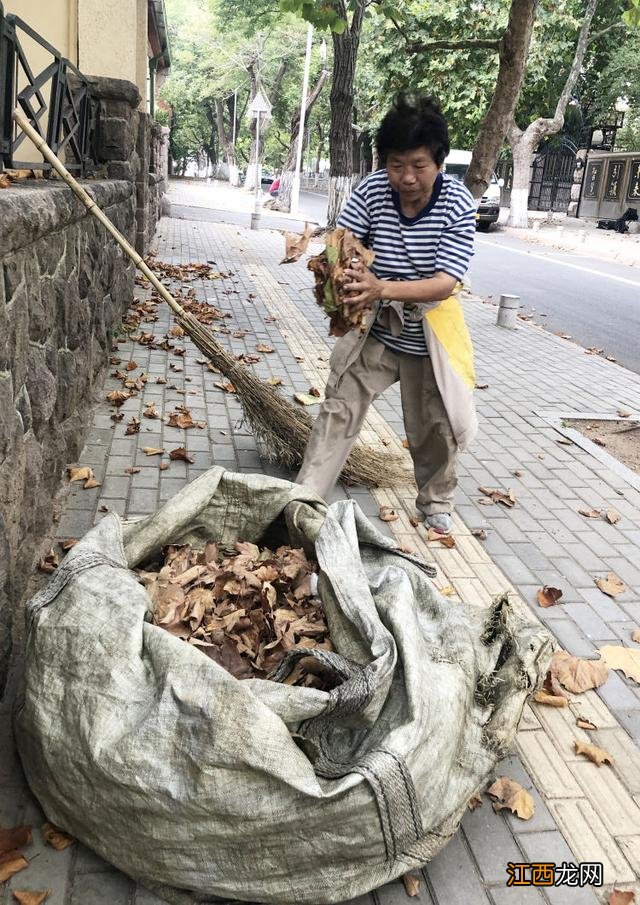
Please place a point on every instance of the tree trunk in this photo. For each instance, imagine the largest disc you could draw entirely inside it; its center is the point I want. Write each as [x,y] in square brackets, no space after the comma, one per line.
[286,178]
[345,54]
[514,49]
[320,148]
[524,142]
[226,143]
[523,151]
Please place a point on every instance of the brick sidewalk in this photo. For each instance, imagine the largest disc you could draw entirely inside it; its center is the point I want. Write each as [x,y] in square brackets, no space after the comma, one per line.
[583,813]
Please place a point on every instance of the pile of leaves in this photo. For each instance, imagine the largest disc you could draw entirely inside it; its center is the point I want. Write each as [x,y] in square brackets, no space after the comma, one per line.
[342,251]
[246,610]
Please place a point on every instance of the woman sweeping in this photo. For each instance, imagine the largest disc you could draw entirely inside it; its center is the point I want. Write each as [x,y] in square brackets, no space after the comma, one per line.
[421,225]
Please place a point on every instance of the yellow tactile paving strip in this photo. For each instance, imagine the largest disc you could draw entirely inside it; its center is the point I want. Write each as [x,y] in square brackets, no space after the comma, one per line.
[596,808]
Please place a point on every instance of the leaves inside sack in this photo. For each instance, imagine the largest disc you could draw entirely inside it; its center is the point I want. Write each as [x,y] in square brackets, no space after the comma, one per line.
[55,837]
[548,596]
[578,675]
[611,585]
[506,793]
[244,611]
[181,454]
[626,659]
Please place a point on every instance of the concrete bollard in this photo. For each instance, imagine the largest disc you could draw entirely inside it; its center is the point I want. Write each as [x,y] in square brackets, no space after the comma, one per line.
[508,311]
[536,226]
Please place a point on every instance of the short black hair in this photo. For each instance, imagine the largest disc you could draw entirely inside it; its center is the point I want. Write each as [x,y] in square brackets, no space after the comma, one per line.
[413,122]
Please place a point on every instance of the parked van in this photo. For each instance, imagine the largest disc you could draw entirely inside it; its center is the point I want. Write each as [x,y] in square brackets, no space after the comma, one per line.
[457,164]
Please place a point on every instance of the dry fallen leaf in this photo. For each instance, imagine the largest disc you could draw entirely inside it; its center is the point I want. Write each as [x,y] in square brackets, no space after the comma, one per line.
[30,896]
[506,793]
[50,562]
[131,366]
[635,636]
[413,521]
[583,723]
[622,413]
[274,381]
[55,837]
[82,473]
[387,514]
[405,443]
[411,884]
[296,244]
[551,700]
[447,540]
[548,596]
[15,837]
[306,399]
[518,473]
[225,385]
[152,451]
[611,585]
[482,386]
[626,659]
[5,182]
[612,516]
[578,675]
[499,496]
[480,533]
[621,897]
[132,470]
[565,441]
[448,591]
[598,755]
[68,543]
[181,453]
[261,347]
[474,803]
[11,863]
[589,513]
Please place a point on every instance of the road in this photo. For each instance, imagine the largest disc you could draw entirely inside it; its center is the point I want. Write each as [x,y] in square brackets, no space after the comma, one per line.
[596,302]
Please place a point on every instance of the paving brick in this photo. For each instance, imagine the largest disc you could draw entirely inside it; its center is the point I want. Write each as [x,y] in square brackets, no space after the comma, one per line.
[522,895]
[590,840]
[551,847]
[626,756]
[453,876]
[629,718]
[101,888]
[616,695]
[616,807]
[395,893]
[585,617]
[571,638]
[546,766]
[491,842]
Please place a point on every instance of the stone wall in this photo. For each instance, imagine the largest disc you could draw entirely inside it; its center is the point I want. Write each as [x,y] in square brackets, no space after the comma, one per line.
[63,290]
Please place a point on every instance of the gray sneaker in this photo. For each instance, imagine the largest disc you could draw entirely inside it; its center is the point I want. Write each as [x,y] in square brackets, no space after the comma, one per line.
[440,522]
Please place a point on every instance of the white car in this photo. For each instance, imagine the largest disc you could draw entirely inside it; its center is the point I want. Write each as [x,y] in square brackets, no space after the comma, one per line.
[456,164]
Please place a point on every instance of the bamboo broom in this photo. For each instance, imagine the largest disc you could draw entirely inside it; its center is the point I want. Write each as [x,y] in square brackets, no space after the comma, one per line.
[282,427]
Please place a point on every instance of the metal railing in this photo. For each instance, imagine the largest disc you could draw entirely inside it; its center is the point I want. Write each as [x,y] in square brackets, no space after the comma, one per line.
[57,101]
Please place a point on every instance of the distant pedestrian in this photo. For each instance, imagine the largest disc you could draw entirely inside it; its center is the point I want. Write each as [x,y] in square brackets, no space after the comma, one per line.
[274,188]
[421,225]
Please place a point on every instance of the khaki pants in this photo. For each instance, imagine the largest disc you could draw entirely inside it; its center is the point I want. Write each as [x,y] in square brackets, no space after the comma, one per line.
[348,397]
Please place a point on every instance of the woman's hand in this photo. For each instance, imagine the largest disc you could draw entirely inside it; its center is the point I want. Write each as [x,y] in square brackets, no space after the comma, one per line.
[363,286]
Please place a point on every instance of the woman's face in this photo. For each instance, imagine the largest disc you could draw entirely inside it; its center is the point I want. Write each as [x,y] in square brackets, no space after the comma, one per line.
[412,173]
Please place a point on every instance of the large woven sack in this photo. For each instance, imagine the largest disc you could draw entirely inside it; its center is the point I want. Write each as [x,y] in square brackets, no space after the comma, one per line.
[203,786]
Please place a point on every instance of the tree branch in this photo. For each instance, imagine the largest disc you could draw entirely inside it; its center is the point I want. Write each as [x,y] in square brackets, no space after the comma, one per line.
[598,34]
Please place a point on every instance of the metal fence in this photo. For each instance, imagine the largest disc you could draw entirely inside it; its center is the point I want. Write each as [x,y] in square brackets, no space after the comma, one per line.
[56,100]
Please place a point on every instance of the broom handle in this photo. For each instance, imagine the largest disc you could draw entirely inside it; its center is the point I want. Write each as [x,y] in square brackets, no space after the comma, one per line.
[93,208]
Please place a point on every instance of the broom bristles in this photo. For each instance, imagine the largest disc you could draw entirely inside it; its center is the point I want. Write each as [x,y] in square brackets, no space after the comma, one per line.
[284,428]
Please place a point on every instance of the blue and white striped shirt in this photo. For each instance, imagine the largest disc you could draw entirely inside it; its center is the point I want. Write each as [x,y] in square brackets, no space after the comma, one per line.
[438,239]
